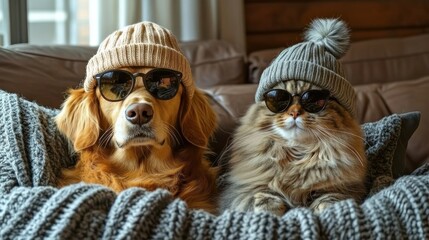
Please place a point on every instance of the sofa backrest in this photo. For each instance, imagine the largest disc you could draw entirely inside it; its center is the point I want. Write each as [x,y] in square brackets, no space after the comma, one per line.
[215,62]
[372,61]
[387,60]
[43,74]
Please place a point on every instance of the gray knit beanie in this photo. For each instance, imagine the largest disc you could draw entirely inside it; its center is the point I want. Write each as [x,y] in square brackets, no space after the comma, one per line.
[144,44]
[314,61]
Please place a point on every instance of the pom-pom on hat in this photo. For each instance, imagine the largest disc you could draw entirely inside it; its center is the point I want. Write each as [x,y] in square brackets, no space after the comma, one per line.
[314,61]
[144,44]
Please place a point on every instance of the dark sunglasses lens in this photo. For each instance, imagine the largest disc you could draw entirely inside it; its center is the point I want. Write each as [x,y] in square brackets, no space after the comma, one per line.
[277,100]
[163,84]
[115,85]
[314,101]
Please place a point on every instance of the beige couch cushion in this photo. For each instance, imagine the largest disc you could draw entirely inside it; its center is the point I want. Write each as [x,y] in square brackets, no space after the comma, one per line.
[42,74]
[406,96]
[387,60]
[370,105]
[214,63]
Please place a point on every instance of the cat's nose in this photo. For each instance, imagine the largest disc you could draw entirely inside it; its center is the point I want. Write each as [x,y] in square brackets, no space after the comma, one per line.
[294,114]
[294,111]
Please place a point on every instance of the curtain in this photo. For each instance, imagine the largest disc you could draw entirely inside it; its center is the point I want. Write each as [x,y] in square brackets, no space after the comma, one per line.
[189,20]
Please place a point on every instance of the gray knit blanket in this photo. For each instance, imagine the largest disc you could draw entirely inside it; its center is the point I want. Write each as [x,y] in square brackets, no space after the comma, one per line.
[32,152]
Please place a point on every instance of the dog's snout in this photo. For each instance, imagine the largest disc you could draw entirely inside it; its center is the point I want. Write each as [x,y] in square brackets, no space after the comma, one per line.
[139,113]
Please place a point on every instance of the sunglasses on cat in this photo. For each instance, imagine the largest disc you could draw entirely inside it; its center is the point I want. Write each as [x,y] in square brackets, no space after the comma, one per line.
[313,101]
[116,85]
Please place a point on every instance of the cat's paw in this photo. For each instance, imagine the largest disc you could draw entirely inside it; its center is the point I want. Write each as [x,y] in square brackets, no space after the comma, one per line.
[320,206]
[326,200]
[266,202]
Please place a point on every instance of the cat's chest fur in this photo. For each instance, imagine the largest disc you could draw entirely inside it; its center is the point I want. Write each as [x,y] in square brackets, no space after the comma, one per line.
[297,171]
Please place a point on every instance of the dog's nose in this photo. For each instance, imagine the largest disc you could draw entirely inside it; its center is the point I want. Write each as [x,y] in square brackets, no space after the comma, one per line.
[139,113]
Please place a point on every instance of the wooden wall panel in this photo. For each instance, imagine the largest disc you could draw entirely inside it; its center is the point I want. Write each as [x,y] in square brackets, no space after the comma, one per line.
[279,23]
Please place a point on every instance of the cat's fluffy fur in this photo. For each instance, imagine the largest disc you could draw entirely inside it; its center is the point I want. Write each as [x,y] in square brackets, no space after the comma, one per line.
[274,167]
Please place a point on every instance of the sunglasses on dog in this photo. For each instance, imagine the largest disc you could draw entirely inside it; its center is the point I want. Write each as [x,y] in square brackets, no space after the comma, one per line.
[116,85]
[313,101]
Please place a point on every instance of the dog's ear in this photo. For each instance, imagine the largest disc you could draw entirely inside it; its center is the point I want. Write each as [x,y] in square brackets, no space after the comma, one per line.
[79,119]
[198,121]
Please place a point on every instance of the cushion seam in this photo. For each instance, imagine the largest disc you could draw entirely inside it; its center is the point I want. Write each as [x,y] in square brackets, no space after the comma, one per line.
[50,56]
[384,58]
[214,61]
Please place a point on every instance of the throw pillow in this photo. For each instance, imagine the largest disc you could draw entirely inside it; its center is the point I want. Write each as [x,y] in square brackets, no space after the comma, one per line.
[385,143]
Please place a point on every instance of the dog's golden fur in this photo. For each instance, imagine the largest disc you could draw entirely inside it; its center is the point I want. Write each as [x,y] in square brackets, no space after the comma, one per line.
[174,159]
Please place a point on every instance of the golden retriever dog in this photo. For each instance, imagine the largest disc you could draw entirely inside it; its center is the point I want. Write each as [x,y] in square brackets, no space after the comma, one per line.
[141,141]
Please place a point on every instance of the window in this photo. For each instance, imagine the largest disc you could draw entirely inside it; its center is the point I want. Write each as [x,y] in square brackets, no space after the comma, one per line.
[44,22]
[88,22]
[2,23]
[59,21]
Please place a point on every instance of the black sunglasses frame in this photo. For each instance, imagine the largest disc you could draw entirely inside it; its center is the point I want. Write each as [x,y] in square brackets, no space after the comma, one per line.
[291,96]
[134,76]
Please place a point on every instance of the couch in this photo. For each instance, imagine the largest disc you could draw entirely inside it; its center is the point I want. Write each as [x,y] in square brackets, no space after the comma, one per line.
[390,76]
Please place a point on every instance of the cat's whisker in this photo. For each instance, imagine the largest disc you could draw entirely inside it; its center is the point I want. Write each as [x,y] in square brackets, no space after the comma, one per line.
[236,143]
[341,142]
[348,133]
[221,160]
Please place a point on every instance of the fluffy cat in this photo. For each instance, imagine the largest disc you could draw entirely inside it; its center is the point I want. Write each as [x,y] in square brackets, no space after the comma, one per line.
[294,158]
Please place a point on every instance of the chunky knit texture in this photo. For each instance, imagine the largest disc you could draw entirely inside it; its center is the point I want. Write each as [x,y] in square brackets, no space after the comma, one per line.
[32,152]
[144,44]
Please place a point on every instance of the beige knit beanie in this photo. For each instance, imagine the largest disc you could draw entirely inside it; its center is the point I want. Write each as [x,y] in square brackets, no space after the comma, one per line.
[143,44]
[314,61]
